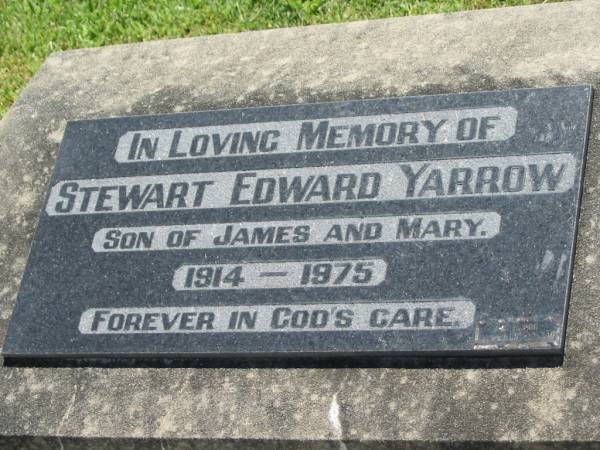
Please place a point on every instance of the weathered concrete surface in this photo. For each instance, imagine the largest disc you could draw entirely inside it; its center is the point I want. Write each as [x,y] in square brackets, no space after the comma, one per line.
[495,49]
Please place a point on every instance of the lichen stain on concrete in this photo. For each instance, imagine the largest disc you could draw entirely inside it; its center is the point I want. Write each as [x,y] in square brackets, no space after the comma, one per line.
[167,424]
[56,135]
[26,199]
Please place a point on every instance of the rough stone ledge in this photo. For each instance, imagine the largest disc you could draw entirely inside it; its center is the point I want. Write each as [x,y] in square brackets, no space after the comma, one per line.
[65,443]
[535,46]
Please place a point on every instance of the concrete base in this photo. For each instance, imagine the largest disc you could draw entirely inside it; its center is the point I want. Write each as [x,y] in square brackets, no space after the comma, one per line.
[536,46]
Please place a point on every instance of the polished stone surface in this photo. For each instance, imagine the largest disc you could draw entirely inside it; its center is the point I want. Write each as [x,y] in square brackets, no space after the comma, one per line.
[538,46]
[430,225]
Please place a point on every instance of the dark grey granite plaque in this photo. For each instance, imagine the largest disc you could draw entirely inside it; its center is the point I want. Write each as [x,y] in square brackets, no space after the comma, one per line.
[437,225]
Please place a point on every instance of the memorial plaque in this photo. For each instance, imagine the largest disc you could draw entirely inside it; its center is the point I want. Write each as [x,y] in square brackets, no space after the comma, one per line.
[434,225]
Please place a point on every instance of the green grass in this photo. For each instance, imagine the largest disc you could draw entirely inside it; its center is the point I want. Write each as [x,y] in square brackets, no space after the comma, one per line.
[30,30]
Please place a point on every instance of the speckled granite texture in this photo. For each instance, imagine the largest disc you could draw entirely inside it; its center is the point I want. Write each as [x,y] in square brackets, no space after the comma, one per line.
[534,46]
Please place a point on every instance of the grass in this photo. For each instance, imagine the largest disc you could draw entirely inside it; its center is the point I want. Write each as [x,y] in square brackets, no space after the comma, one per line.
[30,30]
